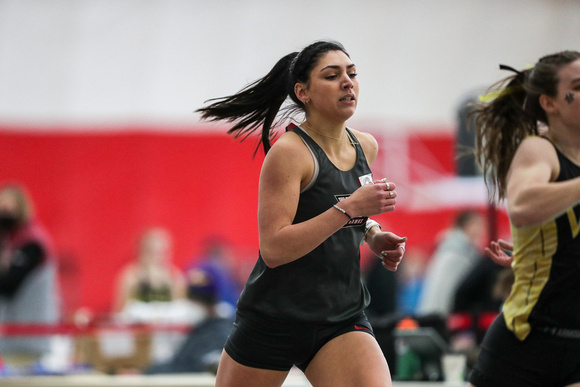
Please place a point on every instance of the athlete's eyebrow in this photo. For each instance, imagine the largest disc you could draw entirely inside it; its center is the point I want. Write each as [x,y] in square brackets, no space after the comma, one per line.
[337,67]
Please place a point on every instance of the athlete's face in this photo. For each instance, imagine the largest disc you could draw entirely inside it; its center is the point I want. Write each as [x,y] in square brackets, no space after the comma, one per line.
[567,102]
[333,88]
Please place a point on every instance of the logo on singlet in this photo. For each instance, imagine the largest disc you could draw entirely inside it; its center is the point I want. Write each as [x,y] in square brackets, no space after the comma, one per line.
[354,221]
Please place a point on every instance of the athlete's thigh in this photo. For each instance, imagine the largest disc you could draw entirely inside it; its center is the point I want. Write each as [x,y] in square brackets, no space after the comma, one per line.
[351,359]
[233,374]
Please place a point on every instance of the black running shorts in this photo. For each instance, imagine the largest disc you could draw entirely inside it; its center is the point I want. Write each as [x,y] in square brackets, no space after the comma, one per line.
[261,342]
[541,360]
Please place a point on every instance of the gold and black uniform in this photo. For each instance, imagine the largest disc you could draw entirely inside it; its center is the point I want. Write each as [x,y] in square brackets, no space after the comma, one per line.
[535,341]
[546,291]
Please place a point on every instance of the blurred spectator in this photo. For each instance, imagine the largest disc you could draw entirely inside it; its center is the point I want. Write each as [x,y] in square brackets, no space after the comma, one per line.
[395,294]
[411,279]
[382,286]
[478,300]
[203,346]
[151,289]
[457,253]
[503,285]
[475,293]
[474,299]
[29,290]
[216,259]
[151,277]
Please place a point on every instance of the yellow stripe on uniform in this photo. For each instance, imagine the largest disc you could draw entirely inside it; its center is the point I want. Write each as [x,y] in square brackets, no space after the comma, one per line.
[534,248]
[573,222]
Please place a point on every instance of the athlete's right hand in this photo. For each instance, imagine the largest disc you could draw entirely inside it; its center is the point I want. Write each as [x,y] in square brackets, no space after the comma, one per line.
[497,252]
[371,199]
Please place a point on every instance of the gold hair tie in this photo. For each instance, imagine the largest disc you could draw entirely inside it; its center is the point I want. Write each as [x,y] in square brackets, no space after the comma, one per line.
[491,95]
[496,93]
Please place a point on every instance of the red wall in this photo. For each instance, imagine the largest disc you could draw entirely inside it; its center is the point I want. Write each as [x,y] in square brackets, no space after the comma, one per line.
[95,192]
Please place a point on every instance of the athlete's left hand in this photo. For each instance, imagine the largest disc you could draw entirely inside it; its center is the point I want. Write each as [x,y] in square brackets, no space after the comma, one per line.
[389,247]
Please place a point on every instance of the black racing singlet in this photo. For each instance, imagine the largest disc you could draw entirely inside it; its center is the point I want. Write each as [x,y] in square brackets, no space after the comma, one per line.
[546,291]
[324,286]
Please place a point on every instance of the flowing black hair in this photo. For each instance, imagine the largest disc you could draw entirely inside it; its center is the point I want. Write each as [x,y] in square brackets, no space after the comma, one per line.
[259,104]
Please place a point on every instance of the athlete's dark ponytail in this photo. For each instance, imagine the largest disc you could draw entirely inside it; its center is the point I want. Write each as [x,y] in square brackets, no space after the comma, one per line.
[259,103]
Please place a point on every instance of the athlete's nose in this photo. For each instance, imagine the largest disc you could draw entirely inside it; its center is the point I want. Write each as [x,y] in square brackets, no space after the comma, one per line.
[347,83]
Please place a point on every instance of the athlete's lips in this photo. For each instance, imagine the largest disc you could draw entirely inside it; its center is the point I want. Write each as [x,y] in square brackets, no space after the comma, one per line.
[348,97]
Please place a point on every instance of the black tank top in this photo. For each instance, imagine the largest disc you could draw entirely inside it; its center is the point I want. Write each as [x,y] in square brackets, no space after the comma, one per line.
[546,291]
[325,285]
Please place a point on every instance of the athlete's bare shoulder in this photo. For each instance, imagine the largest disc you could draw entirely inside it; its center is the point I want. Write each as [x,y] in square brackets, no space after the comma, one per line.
[291,143]
[538,148]
[289,156]
[540,141]
[535,151]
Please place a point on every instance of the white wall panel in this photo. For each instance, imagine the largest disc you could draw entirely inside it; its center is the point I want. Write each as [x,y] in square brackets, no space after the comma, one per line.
[154,61]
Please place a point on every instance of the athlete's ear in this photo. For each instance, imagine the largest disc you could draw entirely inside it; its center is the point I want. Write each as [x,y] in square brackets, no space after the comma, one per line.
[547,103]
[301,92]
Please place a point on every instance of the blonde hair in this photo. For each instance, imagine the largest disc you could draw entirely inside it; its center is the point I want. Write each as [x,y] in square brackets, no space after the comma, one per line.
[24,207]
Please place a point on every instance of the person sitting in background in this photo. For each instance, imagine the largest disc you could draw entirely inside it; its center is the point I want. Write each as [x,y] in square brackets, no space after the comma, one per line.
[151,290]
[475,293]
[216,258]
[201,350]
[382,286]
[411,280]
[455,255]
[152,276]
[29,290]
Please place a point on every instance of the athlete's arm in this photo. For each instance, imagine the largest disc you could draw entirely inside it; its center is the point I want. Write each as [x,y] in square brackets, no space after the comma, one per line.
[388,246]
[287,168]
[533,196]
